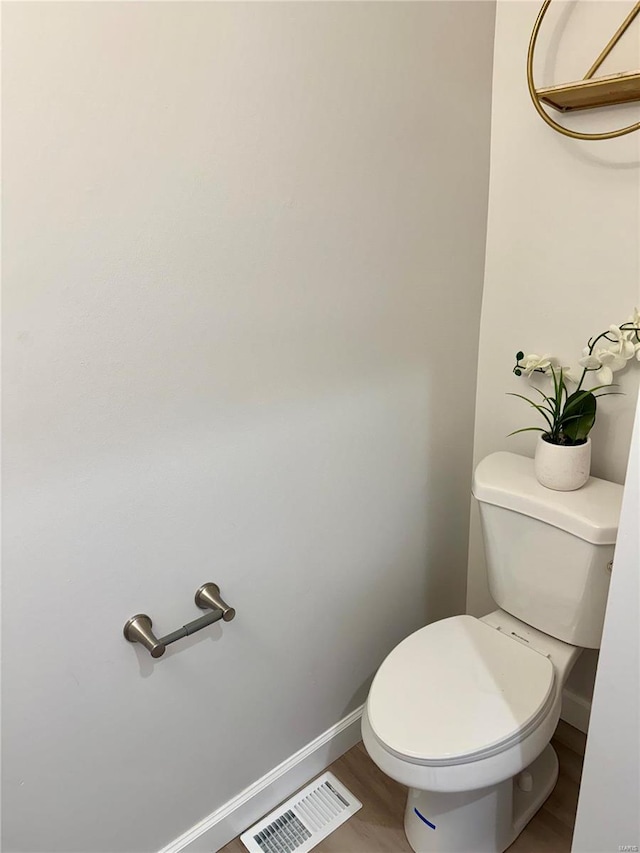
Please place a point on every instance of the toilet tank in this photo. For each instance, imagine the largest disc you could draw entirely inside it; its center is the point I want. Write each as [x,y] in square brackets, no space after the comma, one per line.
[549,554]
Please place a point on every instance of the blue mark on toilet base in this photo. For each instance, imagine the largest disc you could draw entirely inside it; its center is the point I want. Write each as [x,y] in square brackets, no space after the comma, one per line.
[424,820]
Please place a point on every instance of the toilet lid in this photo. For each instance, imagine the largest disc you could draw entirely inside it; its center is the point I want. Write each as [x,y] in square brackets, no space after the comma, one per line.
[458,690]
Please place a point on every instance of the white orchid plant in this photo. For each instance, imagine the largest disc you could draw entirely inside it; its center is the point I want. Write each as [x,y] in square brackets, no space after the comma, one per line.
[570,416]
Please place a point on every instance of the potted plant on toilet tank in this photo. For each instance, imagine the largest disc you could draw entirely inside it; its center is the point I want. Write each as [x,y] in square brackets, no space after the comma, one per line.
[563,451]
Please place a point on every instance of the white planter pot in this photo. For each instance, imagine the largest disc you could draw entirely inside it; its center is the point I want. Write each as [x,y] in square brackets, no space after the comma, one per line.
[561,467]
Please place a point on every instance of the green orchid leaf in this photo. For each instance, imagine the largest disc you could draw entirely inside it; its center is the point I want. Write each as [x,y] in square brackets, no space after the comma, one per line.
[573,402]
[577,396]
[539,408]
[555,384]
[560,389]
[531,402]
[579,415]
[526,429]
[542,394]
[610,385]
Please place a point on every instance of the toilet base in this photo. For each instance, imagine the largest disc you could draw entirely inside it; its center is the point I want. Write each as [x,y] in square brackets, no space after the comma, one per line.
[487,820]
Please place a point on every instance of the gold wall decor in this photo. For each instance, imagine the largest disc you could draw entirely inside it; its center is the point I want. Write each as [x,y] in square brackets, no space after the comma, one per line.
[589,92]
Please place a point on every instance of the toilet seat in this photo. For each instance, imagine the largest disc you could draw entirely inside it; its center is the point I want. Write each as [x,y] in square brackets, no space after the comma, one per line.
[458,691]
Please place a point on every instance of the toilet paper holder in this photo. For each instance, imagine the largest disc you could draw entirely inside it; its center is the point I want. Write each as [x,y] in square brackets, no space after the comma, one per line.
[207,597]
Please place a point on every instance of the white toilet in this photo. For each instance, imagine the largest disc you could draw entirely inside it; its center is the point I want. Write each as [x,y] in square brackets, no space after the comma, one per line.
[462,711]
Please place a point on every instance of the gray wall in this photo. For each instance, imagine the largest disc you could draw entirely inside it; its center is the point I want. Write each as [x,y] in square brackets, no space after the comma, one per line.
[243,264]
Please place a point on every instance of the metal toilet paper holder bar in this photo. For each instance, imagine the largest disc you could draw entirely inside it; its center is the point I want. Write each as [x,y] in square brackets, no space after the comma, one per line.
[207,597]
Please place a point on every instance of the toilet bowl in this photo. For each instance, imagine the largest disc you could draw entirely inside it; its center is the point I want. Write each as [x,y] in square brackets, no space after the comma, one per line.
[462,711]
[464,703]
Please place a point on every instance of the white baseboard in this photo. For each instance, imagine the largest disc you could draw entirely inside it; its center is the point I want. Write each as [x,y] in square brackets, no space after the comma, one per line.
[576,710]
[266,793]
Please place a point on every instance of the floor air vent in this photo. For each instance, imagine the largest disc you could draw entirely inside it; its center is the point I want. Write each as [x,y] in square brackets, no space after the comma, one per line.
[304,820]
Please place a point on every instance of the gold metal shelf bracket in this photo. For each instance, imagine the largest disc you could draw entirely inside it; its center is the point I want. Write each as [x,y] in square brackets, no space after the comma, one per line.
[588,93]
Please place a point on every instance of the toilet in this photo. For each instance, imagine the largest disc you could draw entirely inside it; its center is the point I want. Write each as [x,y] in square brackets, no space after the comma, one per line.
[463,710]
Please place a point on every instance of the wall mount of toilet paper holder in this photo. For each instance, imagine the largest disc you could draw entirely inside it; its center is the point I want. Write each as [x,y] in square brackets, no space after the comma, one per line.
[207,597]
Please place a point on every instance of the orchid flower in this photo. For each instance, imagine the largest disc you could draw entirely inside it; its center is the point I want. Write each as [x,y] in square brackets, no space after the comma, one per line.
[634,320]
[602,363]
[567,372]
[622,347]
[533,362]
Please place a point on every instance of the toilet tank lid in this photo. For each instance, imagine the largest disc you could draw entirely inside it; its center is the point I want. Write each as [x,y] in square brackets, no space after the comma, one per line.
[591,513]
